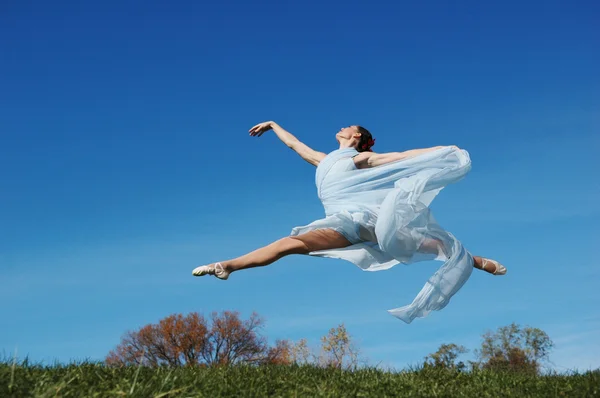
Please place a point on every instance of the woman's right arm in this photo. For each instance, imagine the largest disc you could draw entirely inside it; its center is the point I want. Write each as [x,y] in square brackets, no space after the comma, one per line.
[310,155]
[371,159]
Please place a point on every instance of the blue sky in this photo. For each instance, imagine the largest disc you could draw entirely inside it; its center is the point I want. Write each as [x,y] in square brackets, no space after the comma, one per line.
[125,162]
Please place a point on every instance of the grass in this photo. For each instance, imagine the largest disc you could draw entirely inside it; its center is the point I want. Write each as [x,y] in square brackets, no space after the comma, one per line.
[97,380]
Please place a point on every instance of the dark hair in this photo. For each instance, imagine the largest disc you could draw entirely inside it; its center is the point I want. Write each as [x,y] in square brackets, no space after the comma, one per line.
[366,140]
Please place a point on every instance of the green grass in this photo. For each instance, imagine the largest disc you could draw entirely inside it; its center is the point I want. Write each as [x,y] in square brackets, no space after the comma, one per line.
[96,380]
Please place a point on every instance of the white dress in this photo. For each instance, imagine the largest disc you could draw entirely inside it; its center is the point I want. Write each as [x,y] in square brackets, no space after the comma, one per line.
[383,211]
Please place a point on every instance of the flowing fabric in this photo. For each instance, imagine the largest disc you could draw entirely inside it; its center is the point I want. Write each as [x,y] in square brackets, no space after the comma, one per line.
[384,212]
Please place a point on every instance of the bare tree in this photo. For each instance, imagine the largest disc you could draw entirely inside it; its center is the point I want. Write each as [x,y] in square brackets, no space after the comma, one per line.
[338,350]
[301,353]
[176,340]
[179,340]
[233,340]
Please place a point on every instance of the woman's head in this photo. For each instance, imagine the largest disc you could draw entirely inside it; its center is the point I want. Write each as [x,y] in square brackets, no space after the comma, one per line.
[356,137]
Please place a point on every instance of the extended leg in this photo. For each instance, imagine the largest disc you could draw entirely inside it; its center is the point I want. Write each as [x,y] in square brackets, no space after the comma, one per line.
[491,266]
[322,239]
[434,246]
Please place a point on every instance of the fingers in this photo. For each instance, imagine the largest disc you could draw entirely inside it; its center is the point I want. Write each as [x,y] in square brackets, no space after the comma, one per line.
[253,129]
[258,130]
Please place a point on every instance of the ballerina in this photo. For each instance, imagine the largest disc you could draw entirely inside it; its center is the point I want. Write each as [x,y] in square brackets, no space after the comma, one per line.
[376,215]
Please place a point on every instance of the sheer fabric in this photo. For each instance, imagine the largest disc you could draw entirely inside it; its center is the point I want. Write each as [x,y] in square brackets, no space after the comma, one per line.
[384,212]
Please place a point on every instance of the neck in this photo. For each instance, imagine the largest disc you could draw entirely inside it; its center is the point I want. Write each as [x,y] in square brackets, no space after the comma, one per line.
[346,144]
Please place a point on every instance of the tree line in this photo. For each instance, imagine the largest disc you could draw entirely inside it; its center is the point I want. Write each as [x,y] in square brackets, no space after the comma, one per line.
[227,339]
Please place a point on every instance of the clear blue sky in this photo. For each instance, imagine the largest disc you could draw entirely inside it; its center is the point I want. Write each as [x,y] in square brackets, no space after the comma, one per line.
[125,162]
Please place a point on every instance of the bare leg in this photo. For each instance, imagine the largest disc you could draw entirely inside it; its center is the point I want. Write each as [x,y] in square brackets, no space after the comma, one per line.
[488,265]
[322,239]
[434,246]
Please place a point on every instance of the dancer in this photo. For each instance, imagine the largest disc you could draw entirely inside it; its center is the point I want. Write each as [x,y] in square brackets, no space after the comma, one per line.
[376,215]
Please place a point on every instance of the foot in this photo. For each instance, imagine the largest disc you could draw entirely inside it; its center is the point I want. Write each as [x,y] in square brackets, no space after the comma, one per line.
[215,269]
[492,266]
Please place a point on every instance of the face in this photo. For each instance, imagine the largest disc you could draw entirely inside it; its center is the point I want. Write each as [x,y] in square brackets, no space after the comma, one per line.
[347,133]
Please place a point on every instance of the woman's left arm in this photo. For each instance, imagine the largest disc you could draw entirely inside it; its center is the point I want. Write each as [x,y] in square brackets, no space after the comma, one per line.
[369,159]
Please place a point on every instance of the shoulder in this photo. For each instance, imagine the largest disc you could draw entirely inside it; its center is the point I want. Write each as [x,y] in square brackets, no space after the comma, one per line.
[362,159]
[316,158]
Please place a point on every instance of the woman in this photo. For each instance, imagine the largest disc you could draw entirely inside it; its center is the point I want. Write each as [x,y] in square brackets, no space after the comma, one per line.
[377,215]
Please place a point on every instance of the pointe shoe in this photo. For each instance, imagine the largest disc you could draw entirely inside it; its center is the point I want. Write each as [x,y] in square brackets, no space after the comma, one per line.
[216,269]
[499,269]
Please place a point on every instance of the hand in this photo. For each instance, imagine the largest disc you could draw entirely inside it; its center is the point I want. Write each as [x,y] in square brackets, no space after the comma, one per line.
[261,128]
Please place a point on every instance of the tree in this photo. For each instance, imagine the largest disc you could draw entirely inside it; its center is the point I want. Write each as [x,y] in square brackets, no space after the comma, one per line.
[338,350]
[446,356]
[301,353]
[176,340]
[516,349]
[232,340]
[280,354]
[189,340]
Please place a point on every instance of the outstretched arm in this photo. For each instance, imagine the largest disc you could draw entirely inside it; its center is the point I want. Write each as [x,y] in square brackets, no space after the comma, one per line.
[370,159]
[310,155]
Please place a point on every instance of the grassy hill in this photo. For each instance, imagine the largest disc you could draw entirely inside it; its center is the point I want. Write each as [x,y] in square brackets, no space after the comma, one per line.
[96,380]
